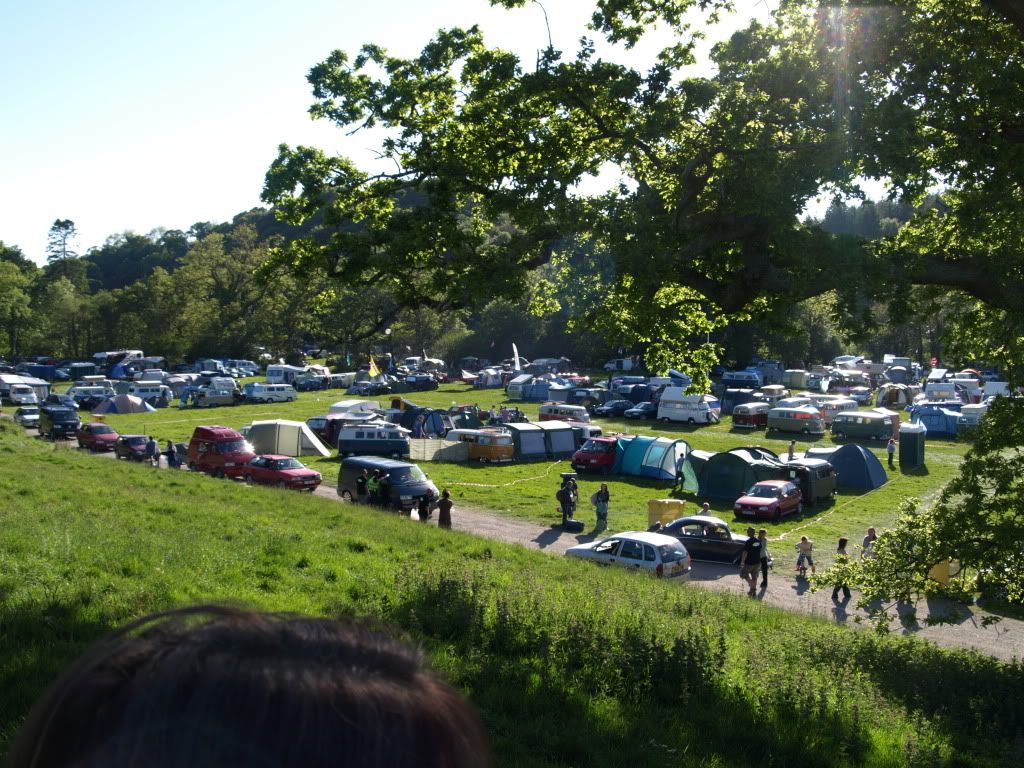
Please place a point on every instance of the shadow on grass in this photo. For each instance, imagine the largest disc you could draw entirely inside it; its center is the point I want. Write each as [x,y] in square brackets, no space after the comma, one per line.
[921,471]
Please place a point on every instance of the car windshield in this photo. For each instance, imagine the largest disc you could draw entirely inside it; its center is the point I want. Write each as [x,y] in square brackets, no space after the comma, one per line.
[286,464]
[598,446]
[316,423]
[102,429]
[234,446]
[407,476]
[63,417]
[29,411]
[671,553]
[137,440]
[764,492]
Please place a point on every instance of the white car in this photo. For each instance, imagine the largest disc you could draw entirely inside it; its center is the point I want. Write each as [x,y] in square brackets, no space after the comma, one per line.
[27,416]
[655,552]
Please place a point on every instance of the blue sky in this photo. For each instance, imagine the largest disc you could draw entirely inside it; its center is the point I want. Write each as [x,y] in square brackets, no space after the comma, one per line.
[133,115]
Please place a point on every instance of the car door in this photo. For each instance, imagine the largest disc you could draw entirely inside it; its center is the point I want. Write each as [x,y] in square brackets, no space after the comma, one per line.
[631,554]
[607,551]
[791,498]
[719,544]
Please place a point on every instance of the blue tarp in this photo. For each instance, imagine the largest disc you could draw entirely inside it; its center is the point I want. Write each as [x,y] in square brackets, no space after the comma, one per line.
[941,422]
[856,466]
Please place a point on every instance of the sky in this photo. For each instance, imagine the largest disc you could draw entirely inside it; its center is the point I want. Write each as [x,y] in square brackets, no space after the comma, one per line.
[131,116]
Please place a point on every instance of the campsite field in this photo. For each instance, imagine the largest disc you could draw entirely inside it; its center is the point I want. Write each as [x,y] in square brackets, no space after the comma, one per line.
[526,490]
[567,663]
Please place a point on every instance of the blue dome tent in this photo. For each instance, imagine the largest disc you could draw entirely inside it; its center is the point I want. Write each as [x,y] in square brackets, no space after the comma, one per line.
[645,456]
[856,466]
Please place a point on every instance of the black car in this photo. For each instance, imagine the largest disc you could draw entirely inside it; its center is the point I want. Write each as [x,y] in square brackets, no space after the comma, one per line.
[66,401]
[707,538]
[613,408]
[642,411]
[58,421]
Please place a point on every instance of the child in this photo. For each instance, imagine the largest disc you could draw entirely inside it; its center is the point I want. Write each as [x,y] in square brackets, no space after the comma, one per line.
[805,546]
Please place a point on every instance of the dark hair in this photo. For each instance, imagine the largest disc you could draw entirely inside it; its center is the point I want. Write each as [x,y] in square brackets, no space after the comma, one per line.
[843,542]
[218,686]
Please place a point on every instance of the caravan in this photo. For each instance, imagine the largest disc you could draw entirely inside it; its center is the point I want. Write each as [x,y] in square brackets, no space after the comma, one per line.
[283,374]
[676,405]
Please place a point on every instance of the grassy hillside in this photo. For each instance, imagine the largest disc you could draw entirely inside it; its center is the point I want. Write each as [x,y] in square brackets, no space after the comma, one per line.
[568,664]
[527,490]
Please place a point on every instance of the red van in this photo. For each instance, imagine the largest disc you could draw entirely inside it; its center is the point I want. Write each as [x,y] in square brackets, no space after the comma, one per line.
[595,455]
[218,451]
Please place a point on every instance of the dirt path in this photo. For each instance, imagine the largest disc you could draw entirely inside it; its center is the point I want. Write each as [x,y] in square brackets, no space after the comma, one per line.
[969,629]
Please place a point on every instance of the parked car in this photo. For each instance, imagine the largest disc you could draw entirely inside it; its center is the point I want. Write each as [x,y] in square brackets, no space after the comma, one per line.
[97,436]
[615,408]
[642,411]
[596,455]
[27,416]
[269,393]
[770,500]
[58,421]
[131,447]
[641,550]
[282,471]
[57,398]
[208,398]
[707,538]
[219,451]
[407,482]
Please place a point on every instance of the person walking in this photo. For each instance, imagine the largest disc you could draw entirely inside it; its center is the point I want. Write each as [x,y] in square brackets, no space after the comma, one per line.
[361,486]
[762,536]
[841,559]
[750,561]
[444,510]
[153,452]
[890,449]
[805,548]
[601,499]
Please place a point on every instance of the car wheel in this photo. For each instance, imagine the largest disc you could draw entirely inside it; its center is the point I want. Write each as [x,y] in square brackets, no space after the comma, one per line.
[346,496]
[805,431]
[690,420]
[219,474]
[800,508]
[840,436]
[248,479]
[777,514]
[281,484]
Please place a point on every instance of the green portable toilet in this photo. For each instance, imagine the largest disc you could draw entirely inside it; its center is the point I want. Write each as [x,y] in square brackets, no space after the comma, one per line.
[912,437]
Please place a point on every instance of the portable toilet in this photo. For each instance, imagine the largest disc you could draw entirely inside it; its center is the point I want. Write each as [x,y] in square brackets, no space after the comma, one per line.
[912,436]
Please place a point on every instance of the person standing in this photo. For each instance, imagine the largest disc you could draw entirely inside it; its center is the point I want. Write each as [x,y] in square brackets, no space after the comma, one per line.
[890,449]
[172,455]
[444,510]
[601,499]
[384,490]
[361,486]
[750,561]
[373,488]
[841,559]
[867,545]
[805,550]
[423,506]
[153,452]
[563,497]
[762,536]
[792,450]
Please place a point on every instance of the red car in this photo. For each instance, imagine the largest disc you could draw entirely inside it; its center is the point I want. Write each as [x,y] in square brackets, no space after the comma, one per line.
[282,471]
[770,500]
[596,455]
[96,436]
[131,447]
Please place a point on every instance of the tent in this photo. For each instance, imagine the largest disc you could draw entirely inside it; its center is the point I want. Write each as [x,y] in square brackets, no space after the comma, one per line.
[124,404]
[733,397]
[286,438]
[940,421]
[517,386]
[728,475]
[897,374]
[559,439]
[528,440]
[646,456]
[351,406]
[488,378]
[856,466]
[894,395]
[435,421]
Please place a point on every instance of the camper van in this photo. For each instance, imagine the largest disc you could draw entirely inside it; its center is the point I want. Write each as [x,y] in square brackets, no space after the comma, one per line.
[22,394]
[373,439]
[675,405]
[595,455]
[153,393]
[269,393]
[750,416]
[741,380]
[805,419]
[816,478]
[771,394]
[563,412]
[873,425]
[283,374]
[486,445]
[829,408]
[407,482]
[218,451]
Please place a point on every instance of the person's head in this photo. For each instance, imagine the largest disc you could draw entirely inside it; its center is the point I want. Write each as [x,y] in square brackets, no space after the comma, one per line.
[803,539]
[763,533]
[213,686]
[604,486]
[445,494]
[751,532]
[706,508]
[364,472]
[871,533]
[842,543]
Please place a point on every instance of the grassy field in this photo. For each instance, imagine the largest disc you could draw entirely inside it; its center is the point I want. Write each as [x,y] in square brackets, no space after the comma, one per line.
[526,491]
[568,664]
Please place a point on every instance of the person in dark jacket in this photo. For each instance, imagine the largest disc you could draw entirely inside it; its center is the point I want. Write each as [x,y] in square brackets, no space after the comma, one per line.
[444,510]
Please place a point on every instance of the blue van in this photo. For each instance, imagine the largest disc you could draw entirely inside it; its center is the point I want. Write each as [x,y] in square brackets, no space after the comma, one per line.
[376,439]
[407,482]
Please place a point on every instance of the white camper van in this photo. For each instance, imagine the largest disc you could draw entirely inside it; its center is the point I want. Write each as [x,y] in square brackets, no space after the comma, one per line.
[676,405]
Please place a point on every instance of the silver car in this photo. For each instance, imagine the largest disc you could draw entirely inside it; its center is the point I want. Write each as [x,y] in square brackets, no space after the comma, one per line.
[27,416]
[640,550]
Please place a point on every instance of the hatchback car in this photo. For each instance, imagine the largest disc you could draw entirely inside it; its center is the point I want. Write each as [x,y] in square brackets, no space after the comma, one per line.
[282,471]
[707,538]
[640,550]
[131,447]
[97,436]
[642,411]
[613,408]
[27,416]
[55,398]
[770,500]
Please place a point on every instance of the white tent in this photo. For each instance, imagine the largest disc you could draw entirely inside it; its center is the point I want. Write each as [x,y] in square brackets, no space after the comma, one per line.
[286,438]
[355,406]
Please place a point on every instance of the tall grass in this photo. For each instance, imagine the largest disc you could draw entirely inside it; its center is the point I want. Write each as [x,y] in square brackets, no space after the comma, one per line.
[569,664]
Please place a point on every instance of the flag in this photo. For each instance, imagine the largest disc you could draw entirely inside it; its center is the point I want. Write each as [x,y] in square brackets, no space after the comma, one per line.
[374,370]
[515,354]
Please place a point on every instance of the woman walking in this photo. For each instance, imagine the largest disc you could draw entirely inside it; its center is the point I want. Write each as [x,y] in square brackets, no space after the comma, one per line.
[841,558]
[444,510]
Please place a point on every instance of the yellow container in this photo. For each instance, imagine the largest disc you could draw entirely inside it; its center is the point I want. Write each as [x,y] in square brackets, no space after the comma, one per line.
[664,511]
